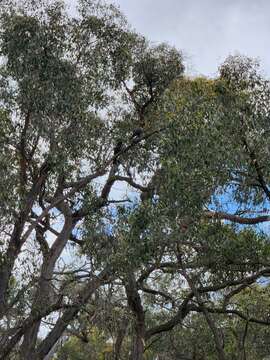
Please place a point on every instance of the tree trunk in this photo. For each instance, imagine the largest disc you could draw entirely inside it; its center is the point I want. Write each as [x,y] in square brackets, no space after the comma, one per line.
[119,340]
[15,242]
[134,302]
[5,273]
[138,344]
[70,314]
[43,296]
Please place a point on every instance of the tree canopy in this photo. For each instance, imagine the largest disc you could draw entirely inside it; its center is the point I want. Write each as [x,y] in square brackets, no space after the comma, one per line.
[134,200]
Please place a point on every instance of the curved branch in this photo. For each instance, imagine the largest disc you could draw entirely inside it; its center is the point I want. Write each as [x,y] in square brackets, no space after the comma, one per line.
[157,292]
[233,312]
[130,181]
[235,218]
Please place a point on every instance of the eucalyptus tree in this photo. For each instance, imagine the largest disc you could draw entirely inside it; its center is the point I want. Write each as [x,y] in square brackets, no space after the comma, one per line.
[196,239]
[115,173]
[67,83]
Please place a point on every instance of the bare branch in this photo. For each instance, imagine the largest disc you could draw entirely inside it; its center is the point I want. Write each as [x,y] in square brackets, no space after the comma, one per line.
[235,218]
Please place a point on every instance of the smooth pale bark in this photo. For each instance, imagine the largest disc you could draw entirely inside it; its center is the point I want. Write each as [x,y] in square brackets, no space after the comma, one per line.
[70,314]
[21,330]
[43,296]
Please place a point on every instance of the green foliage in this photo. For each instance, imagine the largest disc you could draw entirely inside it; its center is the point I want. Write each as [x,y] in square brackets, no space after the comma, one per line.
[95,346]
[71,88]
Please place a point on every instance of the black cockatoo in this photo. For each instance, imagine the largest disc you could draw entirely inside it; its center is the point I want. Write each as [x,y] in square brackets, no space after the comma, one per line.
[137,133]
[117,149]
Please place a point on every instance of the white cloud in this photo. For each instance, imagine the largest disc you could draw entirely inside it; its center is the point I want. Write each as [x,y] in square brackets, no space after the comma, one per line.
[207,30]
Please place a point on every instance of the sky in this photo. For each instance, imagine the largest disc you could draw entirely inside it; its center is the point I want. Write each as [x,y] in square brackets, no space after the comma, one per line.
[207,31]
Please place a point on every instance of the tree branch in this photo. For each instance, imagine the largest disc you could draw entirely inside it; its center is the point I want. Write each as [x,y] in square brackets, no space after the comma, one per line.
[235,218]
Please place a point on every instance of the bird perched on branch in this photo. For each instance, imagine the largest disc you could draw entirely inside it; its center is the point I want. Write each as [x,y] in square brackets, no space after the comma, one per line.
[137,133]
[117,149]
